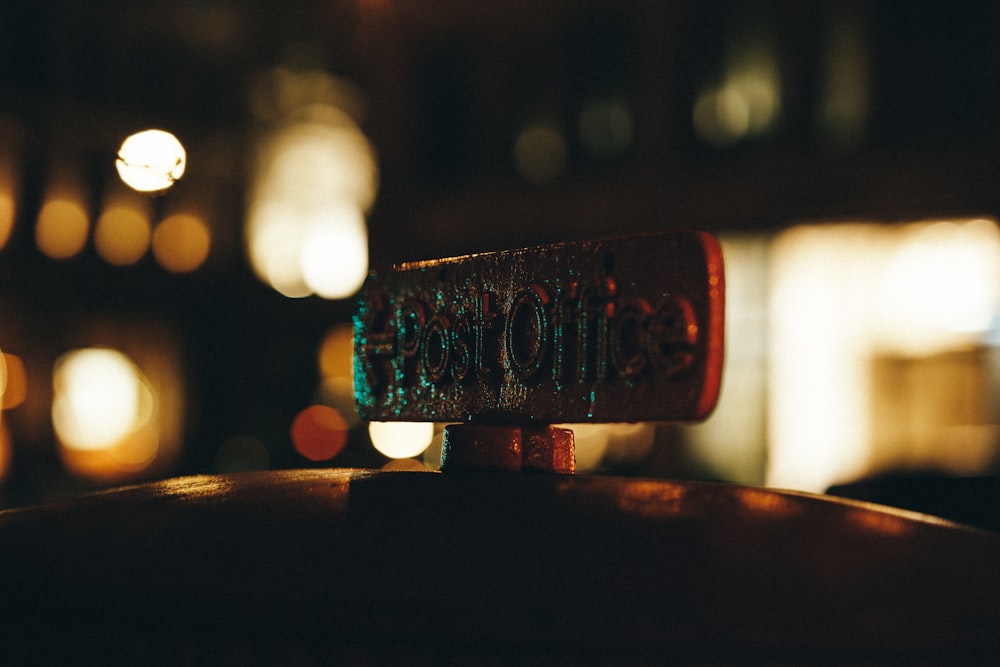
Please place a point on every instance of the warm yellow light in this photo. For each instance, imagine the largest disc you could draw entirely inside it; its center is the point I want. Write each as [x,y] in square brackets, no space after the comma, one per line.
[336,352]
[275,247]
[865,308]
[306,230]
[731,442]
[401,440]
[8,212]
[8,201]
[818,383]
[334,253]
[122,233]
[181,242]
[15,387]
[590,442]
[62,226]
[151,160]
[941,284]
[99,398]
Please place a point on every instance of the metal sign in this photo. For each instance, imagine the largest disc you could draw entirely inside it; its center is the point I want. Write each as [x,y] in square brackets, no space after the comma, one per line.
[615,330]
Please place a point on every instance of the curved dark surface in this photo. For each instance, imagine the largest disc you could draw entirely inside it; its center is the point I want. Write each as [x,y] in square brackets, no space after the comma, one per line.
[355,566]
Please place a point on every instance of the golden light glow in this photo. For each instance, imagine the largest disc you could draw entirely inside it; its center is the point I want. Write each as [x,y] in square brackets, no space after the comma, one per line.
[941,285]
[590,442]
[334,253]
[405,465]
[151,160]
[121,235]
[62,226]
[99,397]
[818,390]
[336,352]
[319,432]
[316,178]
[181,242]
[8,200]
[401,440]
[15,387]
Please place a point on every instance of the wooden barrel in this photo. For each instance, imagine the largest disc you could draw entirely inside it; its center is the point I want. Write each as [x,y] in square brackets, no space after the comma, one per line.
[362,567]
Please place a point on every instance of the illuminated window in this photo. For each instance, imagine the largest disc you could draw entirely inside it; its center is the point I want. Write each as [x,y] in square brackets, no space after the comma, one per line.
[876,345]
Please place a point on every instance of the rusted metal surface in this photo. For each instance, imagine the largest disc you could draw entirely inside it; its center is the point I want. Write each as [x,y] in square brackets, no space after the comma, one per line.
[535,448]
[615,330]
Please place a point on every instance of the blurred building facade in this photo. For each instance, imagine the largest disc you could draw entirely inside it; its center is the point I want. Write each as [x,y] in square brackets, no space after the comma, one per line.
[480,126]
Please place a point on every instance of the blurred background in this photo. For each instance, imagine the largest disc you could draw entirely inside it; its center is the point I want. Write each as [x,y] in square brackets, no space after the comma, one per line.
[846,152]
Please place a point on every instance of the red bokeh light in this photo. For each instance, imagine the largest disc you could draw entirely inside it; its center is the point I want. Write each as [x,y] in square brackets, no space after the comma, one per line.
[319,432]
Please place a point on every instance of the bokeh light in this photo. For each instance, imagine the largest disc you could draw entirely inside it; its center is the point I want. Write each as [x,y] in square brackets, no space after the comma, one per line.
[151,160]
[15,387]
[122,232]
[336,352]
[62,226]
[942,281]
[319,433]
[401,440]
[181,242]
[862,317]
[9,192]
[539,153]
[316,177]
[99,397]
[110,423]
[334,256]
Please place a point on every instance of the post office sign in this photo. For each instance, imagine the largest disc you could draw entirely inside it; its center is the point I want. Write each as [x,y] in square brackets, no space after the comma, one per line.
[624,329]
